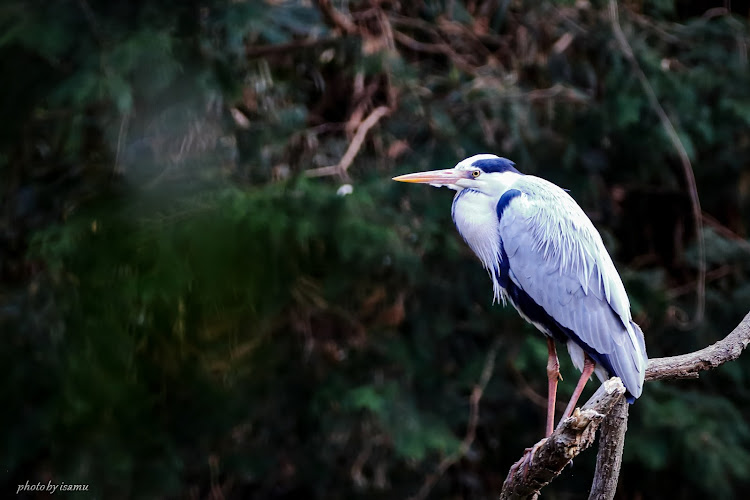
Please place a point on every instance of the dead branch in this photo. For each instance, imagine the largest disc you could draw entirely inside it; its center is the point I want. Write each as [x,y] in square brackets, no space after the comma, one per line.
[435,48]
[573,435]
[88,14]
[549,458]
[363,100]
[526,388]
[612,438]
[416,46]
[257,51]
[725,232]
[471,426]
[609,458]
[711,275]
[690,365]
[359,137]
[441,45]
[339,20]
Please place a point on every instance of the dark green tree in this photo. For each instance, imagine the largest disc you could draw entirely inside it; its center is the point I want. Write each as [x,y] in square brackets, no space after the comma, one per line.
[192,306]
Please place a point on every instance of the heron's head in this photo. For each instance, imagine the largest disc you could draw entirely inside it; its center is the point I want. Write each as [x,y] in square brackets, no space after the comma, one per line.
[486,173]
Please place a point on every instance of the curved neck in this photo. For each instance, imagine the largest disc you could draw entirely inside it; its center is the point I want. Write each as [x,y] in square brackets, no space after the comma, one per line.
[476,220]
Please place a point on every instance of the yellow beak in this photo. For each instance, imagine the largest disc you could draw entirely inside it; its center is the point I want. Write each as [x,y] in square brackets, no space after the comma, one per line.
[435,177]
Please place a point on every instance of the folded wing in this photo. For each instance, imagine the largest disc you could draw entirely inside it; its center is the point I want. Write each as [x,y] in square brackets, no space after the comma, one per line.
[555,255]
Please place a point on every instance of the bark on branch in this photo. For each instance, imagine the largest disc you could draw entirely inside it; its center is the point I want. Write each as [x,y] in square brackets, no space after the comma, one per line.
[609,458]
[690,365]
[550,455]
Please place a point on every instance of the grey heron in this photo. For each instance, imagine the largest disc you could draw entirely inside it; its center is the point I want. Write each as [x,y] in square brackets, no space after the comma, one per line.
[545,257]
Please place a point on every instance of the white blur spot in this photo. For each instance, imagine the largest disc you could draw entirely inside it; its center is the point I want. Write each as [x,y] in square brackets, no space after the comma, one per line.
[240,119]
[345,189]
[327,55]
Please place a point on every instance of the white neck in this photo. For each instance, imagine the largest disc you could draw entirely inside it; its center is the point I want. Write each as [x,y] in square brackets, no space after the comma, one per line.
[476,219]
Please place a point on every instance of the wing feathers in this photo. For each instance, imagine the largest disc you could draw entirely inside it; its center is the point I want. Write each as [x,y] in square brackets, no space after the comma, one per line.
[556,256]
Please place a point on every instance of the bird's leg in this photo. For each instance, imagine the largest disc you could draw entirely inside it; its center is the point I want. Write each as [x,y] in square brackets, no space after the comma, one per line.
[588,369]
[526,461]
[553,375]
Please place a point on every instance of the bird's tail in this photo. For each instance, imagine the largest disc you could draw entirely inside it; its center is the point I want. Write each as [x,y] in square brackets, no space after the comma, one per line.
[634,372]
[629,360]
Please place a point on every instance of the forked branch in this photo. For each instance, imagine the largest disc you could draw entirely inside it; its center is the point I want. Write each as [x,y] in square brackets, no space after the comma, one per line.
[351,152]
[574,435]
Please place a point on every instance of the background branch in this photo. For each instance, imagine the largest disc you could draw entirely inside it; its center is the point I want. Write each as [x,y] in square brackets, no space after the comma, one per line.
[471,426]
[336,18]
[354,147]
[687,167]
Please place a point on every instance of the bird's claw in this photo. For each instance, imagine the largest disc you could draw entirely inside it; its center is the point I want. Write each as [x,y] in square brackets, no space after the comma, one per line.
[526,461]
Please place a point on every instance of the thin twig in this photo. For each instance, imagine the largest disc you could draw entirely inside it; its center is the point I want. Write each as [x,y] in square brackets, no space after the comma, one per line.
[627,51]
[727,233]
[716,12]
[442,43]
[556,92]
[341,21]
[255,51]
[359,137]
[712,275]
[657,28]
[88,13]
[413,22]
[453,28]
[362,99]
[526,389]
[435,48]
[417,46]
[471,426]
[124,121]
[385,25]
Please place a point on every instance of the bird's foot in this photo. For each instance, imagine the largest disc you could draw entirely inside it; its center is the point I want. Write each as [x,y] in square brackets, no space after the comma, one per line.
[526,461]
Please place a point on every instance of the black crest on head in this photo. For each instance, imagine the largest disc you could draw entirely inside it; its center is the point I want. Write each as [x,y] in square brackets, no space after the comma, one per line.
[499,165]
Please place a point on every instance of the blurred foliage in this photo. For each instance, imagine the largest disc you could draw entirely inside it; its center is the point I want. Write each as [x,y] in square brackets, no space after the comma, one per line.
[187,314]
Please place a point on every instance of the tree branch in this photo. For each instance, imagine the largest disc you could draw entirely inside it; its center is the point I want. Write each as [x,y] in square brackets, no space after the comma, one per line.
[549,456]
[256,51]
[354,147]
[336,18]
[471,426]
[609,458]
[690,365]
[573,435]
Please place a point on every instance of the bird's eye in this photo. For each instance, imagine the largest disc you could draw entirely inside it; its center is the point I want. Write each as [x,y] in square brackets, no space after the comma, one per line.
[476,173]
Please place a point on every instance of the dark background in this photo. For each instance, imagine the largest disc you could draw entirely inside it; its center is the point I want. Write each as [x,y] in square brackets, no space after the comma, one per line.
[186,312]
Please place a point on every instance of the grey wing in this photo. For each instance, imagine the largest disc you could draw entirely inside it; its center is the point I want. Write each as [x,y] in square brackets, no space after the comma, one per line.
[561,264]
